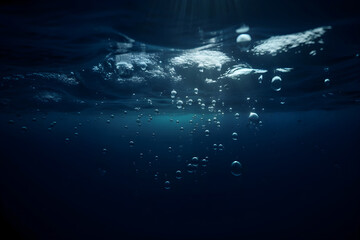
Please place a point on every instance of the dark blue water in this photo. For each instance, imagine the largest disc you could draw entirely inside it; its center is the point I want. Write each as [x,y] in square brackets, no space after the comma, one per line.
[179,120]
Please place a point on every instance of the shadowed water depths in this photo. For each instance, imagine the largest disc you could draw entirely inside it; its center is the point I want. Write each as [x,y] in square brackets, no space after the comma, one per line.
[103,107]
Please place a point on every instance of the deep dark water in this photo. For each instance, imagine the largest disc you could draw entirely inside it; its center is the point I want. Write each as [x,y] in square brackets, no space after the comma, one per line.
[300,178]
[102,103]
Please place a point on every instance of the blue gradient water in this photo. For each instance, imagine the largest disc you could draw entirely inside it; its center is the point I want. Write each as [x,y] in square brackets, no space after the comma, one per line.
[105,105]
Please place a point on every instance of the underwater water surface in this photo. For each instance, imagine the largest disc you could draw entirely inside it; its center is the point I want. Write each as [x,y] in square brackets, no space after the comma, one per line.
[179,120]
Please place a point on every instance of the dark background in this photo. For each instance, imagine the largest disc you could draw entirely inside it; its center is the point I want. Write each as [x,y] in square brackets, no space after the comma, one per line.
[300,178]
[301,171]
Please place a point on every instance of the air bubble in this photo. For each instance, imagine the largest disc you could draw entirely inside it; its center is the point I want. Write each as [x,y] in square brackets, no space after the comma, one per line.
[276,83]
[195,161]
[167,185]
[204,162]
[173,93]
[236,168]
[207,133]
[234,136]
[179,104]
[220,147]
[178,175]
[327,82]
[190,168]
[243,38]
[254,118]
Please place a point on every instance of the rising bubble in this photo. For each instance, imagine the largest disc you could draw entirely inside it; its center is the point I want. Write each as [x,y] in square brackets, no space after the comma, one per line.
[254,118]
[178,174]
[236,168]
[167,185]
[179,104]
[234,136]
[276,83]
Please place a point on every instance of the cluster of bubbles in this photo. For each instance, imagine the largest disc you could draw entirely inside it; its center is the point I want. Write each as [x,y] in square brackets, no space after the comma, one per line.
[213,105]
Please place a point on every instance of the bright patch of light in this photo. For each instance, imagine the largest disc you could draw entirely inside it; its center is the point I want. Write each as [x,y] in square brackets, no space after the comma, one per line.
[279,44]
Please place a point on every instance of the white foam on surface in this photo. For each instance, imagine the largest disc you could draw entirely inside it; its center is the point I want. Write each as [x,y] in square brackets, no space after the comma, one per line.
[283,43]
[283,70]
[243,29]
[206,59]
[241,70]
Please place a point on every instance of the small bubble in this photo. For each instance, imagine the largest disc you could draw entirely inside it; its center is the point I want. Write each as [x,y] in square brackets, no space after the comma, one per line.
[207,133]
[143,66]
[195,161]
[236,168]
[254,118]
[204,162]
[173,93]
[167,185]
[276,83]
[234,136]
[131,143]
[196,90]
[220,147]
[190,168]
[201,67]
[179,104]
[178,175]
[327,82]
[67,140]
